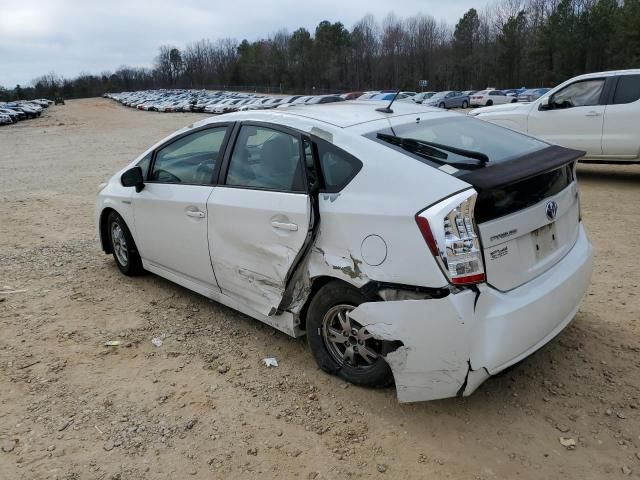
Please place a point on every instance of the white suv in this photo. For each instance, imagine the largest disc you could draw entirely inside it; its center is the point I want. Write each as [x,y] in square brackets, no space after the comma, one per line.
[408,244]
[598,113]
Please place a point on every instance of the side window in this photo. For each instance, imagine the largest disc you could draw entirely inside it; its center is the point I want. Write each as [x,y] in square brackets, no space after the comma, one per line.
[338,167]
[628,89]
[144,165]
[579,94]
[191,159]
[266,158]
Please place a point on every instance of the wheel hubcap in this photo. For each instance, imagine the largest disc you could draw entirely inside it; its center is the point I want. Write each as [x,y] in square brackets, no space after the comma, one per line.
[347,341]
[119,243]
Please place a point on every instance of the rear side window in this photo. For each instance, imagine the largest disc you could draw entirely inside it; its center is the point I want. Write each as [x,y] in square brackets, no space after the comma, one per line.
[338,167]
[267,159]
[628,89]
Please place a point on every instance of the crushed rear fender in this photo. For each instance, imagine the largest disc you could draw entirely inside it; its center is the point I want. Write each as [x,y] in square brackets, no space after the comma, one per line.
[436,336]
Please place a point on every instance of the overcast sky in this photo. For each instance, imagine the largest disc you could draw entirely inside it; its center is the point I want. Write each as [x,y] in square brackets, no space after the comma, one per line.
[73,36]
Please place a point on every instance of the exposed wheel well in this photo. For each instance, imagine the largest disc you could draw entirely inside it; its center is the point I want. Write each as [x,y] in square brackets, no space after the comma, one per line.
[316,284]
[104,234]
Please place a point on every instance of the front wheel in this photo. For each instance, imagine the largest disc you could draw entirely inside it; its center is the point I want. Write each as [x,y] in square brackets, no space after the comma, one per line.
[465,104]
[340,345]
[442,105]
[124,248]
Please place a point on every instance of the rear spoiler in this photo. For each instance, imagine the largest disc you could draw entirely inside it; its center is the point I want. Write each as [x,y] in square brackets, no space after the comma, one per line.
[521,168]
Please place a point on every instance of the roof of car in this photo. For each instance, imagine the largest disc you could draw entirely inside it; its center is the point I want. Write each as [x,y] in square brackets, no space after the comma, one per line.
[340,114]
[635,71]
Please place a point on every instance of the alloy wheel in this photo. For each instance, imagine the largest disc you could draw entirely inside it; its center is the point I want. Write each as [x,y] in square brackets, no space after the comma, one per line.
[348,342]
[119,243]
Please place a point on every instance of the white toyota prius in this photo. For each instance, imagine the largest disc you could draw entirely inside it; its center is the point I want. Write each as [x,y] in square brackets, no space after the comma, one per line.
[410,244]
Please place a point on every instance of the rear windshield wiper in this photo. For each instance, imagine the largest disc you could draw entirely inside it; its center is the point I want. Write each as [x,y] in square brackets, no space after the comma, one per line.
[436,151]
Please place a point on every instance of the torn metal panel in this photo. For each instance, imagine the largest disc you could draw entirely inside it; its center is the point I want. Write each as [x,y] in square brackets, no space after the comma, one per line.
[251,253]
[436,335]
[318,264]
[475,378]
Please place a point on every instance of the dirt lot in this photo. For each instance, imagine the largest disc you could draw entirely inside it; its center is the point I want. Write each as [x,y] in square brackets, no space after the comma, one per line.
[203,406]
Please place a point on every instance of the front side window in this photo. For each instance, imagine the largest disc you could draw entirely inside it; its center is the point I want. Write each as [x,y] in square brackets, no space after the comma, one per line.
[190,159]
[628,89]
[579,94]
[266,158]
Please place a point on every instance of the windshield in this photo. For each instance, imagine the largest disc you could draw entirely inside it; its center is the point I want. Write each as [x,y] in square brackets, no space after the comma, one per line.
[438,95]
[466,133]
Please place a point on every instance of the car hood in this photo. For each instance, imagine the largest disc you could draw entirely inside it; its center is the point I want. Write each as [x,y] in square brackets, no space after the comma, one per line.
[507,107]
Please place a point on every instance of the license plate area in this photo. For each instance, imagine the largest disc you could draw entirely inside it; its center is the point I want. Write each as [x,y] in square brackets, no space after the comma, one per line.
[544,240]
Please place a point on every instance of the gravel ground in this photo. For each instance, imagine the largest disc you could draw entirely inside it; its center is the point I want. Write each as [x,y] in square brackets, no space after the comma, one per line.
[202,405]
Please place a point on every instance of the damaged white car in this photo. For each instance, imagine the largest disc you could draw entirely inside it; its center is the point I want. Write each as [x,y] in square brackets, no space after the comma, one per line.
[411,245]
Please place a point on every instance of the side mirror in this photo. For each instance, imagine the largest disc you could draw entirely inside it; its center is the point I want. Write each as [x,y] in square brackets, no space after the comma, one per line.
[133,178]
[545,104]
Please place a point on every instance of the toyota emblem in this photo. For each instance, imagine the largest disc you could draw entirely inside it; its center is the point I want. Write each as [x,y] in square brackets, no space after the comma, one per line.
[551,210]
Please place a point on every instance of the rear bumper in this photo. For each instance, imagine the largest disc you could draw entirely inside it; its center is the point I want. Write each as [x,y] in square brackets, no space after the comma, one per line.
[451,345]
[512,325]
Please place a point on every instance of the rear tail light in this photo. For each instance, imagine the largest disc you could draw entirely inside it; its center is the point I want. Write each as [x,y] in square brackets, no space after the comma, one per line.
[450,232]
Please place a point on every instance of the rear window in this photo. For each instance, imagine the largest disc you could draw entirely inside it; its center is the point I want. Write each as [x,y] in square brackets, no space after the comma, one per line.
[628,89]
[497,143]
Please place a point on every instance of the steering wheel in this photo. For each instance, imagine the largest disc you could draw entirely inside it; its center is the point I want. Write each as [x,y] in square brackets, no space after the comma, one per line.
[164,176]
[204,172]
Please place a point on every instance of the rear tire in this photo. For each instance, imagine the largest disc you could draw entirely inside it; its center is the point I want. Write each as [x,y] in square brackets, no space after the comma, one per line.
[465,104]
[489,103]
[124,248]
[515,100]
[356,357]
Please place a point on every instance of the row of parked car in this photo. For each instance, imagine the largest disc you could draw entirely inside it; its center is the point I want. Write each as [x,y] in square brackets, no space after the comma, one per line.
[13,112]
[478,98]
[211,101]
[225,102]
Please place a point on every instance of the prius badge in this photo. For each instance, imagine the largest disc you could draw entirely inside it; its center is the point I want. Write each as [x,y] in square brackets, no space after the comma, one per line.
[551,210]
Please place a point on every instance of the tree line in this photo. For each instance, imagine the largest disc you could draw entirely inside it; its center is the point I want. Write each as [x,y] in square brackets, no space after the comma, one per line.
[510,43]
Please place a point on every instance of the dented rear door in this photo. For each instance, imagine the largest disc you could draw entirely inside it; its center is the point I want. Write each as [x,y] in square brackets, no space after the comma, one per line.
[259,218]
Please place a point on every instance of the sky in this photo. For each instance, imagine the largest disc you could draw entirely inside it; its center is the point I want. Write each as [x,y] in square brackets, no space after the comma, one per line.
[69,37]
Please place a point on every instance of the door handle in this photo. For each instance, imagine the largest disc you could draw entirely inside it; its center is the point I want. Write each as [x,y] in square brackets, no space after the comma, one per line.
[195,214]
[292,227]
[593,114]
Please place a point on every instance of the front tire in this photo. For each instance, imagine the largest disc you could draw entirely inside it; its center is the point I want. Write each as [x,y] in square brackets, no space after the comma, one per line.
[124,248]
[442,105]
[339,344]
[465,104]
